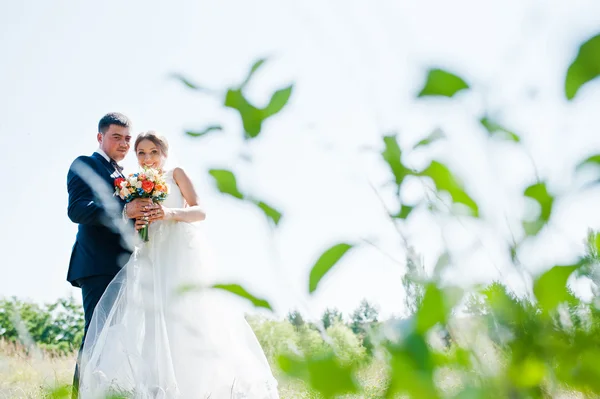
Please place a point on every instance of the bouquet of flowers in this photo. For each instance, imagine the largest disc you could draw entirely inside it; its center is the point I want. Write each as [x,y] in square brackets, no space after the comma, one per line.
[148,183]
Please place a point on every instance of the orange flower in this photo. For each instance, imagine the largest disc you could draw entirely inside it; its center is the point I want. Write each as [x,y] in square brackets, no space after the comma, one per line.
[147,186]
[160,188]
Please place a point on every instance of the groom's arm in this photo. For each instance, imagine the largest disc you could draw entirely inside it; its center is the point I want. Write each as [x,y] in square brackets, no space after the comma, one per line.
[83,205]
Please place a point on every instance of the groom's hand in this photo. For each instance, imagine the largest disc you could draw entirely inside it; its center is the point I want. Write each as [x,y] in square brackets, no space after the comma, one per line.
[139,207]
[140,224]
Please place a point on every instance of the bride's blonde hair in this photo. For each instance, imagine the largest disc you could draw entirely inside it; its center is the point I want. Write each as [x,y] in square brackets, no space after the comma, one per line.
[158,140]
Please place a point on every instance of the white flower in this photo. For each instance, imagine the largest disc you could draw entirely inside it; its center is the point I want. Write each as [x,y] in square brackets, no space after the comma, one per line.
[124,192]
[123,184]
[138,184]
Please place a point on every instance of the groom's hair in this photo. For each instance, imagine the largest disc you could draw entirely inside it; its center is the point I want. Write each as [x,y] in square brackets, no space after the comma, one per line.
[113,118]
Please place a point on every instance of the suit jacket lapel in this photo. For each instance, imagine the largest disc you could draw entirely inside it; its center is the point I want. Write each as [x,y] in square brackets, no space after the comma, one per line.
[110,168]
[111,173]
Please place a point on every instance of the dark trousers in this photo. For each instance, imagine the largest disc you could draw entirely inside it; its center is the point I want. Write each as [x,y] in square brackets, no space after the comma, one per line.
[92,289]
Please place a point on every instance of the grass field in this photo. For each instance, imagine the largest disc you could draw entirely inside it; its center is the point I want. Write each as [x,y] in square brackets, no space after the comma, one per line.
[23,376]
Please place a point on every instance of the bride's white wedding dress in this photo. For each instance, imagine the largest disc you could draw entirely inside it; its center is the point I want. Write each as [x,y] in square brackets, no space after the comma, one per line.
[157,333]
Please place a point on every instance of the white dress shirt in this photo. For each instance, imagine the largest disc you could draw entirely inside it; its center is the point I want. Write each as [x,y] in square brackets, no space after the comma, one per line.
[101,152]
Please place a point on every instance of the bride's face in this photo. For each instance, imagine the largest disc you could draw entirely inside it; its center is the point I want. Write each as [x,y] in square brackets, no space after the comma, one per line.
[149,154]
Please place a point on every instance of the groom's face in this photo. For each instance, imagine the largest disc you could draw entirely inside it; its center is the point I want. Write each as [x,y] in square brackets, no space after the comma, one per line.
[115,142]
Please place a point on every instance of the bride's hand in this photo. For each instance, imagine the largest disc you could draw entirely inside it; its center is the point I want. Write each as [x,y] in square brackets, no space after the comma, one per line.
[159,213]
[140,223]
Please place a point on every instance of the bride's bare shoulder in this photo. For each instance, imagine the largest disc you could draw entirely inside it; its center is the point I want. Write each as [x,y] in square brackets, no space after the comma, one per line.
[180,176]
[178,172]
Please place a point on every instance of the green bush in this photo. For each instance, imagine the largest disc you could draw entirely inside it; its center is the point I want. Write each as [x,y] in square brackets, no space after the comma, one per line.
[280,337]
[55,327]
[346,344]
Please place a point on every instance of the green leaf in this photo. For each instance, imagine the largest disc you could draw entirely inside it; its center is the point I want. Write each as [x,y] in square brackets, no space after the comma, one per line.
[416,347]
[60,392]
[271,213]
[411,368]
[514,252]
[595,241]
[442,263]
[205,131]
[392,155]
[445,181]
[404,212]
[278,100]
[226,182]
[252,117]
[442,83]
[539,193]
[501,303]
[593,160]
[324,264]
[528,373]
[437,134]
[324,374]
[496,130]
[241,292]
[433,309]
[584,68]
[533,227]
[188,287]
[472,393]
[187,82]
[255,67]
[550,288]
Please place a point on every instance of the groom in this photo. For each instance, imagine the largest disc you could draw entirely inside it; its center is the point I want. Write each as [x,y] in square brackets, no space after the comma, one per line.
[99,251]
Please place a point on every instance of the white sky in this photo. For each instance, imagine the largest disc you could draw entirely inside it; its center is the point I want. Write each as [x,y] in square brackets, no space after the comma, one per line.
[357,66]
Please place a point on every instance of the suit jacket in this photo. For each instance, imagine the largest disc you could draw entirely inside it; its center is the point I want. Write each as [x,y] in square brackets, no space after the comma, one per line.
[98,248]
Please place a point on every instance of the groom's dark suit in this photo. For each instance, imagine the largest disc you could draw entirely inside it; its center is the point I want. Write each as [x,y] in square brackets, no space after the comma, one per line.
[98,249]
[99,252]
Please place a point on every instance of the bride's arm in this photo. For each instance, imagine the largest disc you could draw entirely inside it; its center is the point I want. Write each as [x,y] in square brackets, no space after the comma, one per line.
[193,212]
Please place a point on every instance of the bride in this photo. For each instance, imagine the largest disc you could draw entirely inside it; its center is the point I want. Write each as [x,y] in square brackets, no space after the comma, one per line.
[159,331]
